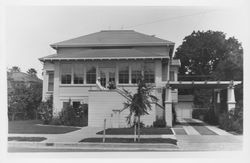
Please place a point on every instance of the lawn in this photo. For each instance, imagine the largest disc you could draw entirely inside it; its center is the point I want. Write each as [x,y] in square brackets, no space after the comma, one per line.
[144,131]
[33,127]
[32,139]
[131,140]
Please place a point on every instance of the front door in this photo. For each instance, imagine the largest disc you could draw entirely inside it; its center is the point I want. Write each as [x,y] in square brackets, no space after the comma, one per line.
[107,75]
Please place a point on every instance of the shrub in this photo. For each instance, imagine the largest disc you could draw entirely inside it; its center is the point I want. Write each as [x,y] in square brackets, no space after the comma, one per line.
[45,110]
[230,121]
[70,116]
[159,123]
[210,117]
[199,113]
[56,121]
[142,125]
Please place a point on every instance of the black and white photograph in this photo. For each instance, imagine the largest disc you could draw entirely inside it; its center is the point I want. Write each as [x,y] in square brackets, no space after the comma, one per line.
[125,78]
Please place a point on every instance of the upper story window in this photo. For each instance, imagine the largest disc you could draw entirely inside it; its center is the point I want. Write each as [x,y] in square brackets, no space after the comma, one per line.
[149,72]
[136,72]
[171,76]
[91,75]
[78,73]
[66,73]
[50,80]
[123,74]
[164,66]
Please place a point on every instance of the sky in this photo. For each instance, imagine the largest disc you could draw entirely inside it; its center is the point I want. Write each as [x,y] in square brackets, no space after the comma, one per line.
[31,29]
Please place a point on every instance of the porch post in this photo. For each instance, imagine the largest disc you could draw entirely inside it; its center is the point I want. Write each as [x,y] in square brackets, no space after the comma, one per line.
[217,102]
[168,106]
[230,98]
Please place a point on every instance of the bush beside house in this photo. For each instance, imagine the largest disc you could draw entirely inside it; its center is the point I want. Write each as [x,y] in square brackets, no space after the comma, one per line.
[69,116]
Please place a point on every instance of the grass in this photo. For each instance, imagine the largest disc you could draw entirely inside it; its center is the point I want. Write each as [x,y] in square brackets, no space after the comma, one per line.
[144,131]
[32,127]
[131,140]
[32,139]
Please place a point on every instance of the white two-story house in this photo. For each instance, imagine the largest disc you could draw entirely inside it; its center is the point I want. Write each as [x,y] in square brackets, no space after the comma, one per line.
[118,56]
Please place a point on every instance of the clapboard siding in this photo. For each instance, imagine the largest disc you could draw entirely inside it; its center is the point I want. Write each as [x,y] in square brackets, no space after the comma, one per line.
[102,104]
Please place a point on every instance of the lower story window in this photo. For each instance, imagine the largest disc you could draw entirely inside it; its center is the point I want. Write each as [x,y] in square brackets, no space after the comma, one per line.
[76,104]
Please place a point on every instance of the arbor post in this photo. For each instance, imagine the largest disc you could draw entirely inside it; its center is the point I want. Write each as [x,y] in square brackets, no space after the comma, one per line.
[168,107]
[231,98]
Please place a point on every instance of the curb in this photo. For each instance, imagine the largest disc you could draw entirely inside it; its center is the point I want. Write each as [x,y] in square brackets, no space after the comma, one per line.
[98,146]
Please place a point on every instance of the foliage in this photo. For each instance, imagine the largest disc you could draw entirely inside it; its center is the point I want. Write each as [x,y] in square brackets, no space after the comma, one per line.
[201,52]
[232,121]
[24,99]
[210,117]
[139,103]
[45,110]
[199,113]
[159,123]
[17,98]
[70,116]
[142,125]
[210,53]
[15,69]
[32,72]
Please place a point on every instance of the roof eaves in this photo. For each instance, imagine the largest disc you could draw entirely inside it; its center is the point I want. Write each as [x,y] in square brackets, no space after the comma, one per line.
[102,58]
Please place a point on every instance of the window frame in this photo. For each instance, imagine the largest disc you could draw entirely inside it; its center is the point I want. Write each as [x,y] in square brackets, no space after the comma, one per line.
[65,73]
[77,74]
[122,76]
[149,73]
[89,67]
[50,82]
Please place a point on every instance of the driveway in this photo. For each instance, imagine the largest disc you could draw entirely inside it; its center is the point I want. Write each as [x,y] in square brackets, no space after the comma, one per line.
[194,135]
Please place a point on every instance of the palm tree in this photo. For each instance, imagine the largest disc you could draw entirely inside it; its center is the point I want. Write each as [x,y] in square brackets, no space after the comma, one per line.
[139,103]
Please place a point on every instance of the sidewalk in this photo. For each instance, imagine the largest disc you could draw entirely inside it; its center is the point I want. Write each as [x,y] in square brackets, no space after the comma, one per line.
[191,135]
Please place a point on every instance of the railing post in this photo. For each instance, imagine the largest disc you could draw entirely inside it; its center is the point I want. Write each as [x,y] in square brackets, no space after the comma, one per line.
[104,131]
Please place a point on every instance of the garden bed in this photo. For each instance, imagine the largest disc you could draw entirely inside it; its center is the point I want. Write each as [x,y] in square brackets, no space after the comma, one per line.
[144,131]
[32,139]
[131,140]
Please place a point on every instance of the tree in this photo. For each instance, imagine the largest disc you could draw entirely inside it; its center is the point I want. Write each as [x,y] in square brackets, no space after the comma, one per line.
[211,54]
[139,103]
[24,99]
[15,69]
[32,72]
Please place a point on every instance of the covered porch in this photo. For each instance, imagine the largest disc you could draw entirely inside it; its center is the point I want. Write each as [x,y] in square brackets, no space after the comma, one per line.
[216,85]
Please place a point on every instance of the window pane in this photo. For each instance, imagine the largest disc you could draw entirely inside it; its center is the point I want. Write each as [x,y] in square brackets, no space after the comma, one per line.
[91,75]
[66,74]
[136,71]
[164,71]
[123,74]
[171,75]
[78,74]
[76,104]
[149,72]
[51,81]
